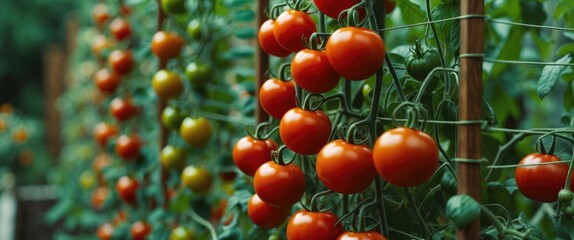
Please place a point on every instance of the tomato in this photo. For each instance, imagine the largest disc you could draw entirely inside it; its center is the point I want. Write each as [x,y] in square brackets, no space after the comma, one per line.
[390,6]
[172,157]
[99,196]
[167,85]
[120,28]
[311,71]
[103,132]
[3,125]
[405,157]
[100,14]
[305,225]
[345,168]
[277,97]
[105,231]
[121,62]
[166,45]
[249,154]
[120,217]
[195,131]
[87,179]
[197,179]
[198,74]
[173,6]
[265,215]
[305,132]
[128,147]
[334,8]
[268,42]
[26,158]
[122,109]
[372,235]
[140,230]
[565,196]
[171,118]
[20,135]
[421,61]
[107,81]
[126,188]
[101,161]
[101,43]
[125,10]
[181,233]
[279,185]
[291,27]
[541,183]
[194,29]
[355,53]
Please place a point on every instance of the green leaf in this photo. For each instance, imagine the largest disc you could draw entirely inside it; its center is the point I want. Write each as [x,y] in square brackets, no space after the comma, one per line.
[462,210]
[235,3]
[569,97]
[448,183]
[245,33]
[497,193]
[244,15]
[550,76]
[510,185]
[562,7]
[239,52]
[532,12]
[561,232]
[510,50]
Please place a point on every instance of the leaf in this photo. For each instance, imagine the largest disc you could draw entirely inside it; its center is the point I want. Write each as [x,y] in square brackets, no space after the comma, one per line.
[568,97]
[560,231]
[497,193]
[244,15]
[532,12]
[510,185]
[562,7]
[448,183]
[245,33]
[550,76]
[239,198]
[510,50]
[239,52]
[462,210]
[235,3]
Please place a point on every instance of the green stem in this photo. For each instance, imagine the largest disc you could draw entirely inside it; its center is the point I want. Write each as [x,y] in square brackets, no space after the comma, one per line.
[204,223]
[438,45]
[502,230]
[422,221]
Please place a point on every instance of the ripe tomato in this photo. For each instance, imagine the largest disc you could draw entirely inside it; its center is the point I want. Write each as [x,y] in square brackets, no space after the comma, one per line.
[126,188]
[105,231]
[542,183]
[291,27]
[101,161]
[198,74]
[346,168]
[20,135]
[305,132]
[120,217]
[172,157]
[405,157]
[103,132]
[125,10]
[355,53]
[334,8]
[121,62]
[120,28]
[390,6]
[107,81]
[166,45]
[277,97]
[311,71]
[128,147]
[372,235]
[100,14]
[181,233]
[265,215]
[268,42]
[122,109]
[171,118]
[173,6]
[195,131]
[99,196]
[249,154]
[305,225]
[167,85]
[140,230]
[194,29]
[278,185]
[101,43]
[197,179]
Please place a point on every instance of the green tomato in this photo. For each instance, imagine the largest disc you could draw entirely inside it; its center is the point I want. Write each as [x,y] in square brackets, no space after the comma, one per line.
[87,179]
[194,29]
[181,233]
[172,157]
[198,74]
[173,6]
[565,196]
[570,211]
[421,61]
[367,89]
[171,118]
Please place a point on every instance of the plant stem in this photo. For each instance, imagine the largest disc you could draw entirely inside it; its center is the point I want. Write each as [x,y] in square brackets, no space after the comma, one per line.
[417,212]
[204,223]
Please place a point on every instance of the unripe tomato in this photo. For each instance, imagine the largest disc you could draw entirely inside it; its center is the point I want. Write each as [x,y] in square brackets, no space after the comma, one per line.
[372,235]
[101,161]
[197,179]
[167,85]
[195,131]
[100,14]
[121,62]
[194,29]
[345,168]
[173,6]
[541,183]
[305,225]
[126,188]
[105,231]
[268,42]
[421,61]
[277,97]
[103,132]
[120,28]
[249,154]
[305,132]
[140,230]
[265,215]
[122,109]
[405,157]
[87,179]
[171,118]
[128,147]
[181,233]
[99,196]
[311,71]
[278,185]
[172,157]
[291,27]
[565,196]
[166,45]
[198,74]
[107,81]
[355,53]
[101,43]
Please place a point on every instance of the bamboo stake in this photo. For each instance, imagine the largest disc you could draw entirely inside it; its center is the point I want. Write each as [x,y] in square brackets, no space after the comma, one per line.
[262,62]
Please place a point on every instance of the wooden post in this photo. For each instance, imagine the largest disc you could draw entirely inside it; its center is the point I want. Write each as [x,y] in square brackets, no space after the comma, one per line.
[160,106]
[470,104]
[262,62]
[54,62]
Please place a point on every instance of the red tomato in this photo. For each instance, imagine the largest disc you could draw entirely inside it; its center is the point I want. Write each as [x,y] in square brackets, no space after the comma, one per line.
[105,231]
[405,157]
[120,28]
[99,196]
[100,14]
[268,42]
[305,225]
[355,53]
[265,215]
[140,230]
[122,109]
[125,10]
[311,71]
[128,147]
[278,185]
[277,97]
[103,132]
[542,183]
[291,27]
[372,235]
[165,45]
[305,132]
[107,81]
[345,168]
[334,8]
[126,188]
[249,154]
[121,62]
[101,43]
[390,6]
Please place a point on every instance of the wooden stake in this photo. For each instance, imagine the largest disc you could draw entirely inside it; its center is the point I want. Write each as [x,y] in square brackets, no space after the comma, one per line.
[160,106]
[54,72]
[262,62]
[470,104]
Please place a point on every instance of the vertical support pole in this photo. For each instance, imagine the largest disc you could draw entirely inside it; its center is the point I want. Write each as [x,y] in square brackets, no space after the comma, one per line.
[160,106]
[262,62]
[54,61]
[470,104]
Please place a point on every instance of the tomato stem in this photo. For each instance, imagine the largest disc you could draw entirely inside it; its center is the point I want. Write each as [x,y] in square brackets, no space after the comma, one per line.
[413,206]
[315,198]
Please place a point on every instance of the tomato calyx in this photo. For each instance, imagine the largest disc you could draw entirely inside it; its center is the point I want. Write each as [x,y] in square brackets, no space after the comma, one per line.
[262,131]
